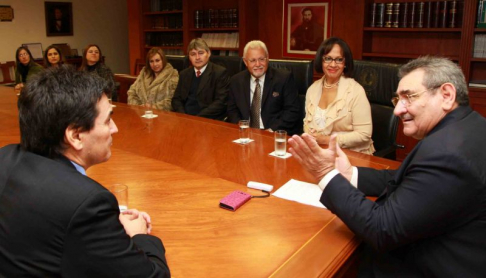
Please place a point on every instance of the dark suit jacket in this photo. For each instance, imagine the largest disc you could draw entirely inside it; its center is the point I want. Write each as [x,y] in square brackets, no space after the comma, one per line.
[280,102]
[56,222]
[212,93]
[430,219]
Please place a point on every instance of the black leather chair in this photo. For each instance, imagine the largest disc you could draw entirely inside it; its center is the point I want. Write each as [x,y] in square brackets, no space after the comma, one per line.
[233,64]
[303,73]
[380,81]
[179,62]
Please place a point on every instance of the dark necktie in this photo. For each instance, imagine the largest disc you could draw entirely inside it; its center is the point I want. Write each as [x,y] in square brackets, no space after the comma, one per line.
[255,106]
[198,73]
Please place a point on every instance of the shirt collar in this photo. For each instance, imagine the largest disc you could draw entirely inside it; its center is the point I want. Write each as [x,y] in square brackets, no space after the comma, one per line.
[202,69]
[79,168]
[261,79]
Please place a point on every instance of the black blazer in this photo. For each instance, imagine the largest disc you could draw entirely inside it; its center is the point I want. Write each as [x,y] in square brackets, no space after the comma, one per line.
[430,219]
[280,101]
[56,222]
[212,93]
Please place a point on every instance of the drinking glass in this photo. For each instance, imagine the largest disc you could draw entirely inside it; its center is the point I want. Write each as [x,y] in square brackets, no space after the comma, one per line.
[280,142]
[121,193]
[244,131]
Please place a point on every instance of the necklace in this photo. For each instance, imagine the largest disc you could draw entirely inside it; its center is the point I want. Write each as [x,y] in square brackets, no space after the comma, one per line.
[329,86]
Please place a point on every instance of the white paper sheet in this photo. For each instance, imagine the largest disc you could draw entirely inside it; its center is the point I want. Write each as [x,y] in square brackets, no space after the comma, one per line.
[302,192]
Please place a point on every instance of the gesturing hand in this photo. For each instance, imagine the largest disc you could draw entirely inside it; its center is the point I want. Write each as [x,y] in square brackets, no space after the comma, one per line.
[309,154]
[342,163]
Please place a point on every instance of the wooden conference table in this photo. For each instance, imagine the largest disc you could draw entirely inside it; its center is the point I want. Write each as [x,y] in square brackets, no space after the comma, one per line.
[178,167]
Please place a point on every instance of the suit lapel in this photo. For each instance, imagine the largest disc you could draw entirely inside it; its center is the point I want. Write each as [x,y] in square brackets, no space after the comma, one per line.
[187,82]
[205,77]
[247,91]
[267,87]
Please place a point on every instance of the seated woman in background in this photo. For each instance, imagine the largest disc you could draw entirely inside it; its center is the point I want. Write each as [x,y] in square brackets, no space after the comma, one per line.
[25,67]
[53,57]
[336,103]
[93,63]
[156,83]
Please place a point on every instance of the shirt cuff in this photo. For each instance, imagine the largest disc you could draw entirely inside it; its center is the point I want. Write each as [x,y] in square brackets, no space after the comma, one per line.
[329,176]
[354,177]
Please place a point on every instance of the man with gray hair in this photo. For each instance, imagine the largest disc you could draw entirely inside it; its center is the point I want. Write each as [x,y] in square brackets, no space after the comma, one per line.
[202,89]
[430,216]
[266,96]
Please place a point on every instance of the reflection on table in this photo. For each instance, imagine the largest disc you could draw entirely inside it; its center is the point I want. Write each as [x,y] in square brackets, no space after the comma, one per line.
[178,167]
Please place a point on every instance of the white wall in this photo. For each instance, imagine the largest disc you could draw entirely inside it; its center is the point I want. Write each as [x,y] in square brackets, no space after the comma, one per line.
[102,22]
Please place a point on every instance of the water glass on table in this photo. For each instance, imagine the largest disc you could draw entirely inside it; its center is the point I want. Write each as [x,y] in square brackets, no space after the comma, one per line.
[121,193]
[244,131]
[280,142]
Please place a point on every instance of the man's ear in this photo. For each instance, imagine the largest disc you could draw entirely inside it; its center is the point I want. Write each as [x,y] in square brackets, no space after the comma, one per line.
[72,137]
[448,93]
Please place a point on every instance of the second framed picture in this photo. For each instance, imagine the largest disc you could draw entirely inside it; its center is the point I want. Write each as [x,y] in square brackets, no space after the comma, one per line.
[306,23]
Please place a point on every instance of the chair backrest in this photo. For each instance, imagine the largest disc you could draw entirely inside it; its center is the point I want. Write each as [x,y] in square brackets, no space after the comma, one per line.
[179,62]
[385,125]
[139,64]
[380,81]
[233,64]
[8,72]
[302,71]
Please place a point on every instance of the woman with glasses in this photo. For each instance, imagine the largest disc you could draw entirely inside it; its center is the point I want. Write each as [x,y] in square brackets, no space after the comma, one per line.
[93,62]
[156,83]
[337,104]
[53,57]
[25,67]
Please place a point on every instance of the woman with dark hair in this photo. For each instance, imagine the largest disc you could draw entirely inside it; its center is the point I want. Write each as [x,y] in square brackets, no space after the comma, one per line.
[336,103]
[53,57]
[156,83]
[25,67]
[93,62]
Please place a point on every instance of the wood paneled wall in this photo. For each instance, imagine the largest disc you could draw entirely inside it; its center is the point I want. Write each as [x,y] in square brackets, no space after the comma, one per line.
[347,23]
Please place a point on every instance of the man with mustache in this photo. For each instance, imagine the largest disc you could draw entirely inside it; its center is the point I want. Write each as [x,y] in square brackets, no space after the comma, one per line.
[430,217]
[54,220]
[202,89]
[265,96]
[309,35]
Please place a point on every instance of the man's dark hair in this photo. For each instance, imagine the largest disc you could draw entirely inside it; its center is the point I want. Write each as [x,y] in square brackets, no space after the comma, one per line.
[53,100]
[326,47]
[307,9]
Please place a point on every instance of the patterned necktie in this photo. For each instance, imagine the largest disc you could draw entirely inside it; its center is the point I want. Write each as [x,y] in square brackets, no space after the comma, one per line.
[255,106]
[198,73]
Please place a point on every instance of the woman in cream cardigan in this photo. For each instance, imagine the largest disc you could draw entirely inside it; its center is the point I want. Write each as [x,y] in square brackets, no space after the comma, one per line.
[337,103]
[156,83]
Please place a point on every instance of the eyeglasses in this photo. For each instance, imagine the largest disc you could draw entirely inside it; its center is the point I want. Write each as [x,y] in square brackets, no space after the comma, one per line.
[406,101]
[328,60]
[24,55]
[261,60]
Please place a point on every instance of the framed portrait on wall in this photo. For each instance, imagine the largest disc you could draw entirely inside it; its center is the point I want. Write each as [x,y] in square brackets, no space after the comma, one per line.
[306,23]
[59,18]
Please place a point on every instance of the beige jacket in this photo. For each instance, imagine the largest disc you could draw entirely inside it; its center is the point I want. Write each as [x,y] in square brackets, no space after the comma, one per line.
[161,90]
[349,115]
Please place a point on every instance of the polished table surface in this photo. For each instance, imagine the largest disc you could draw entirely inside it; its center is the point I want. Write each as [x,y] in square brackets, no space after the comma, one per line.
[178,167]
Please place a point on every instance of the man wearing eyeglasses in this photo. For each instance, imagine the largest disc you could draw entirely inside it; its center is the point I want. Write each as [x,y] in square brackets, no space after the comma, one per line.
[430,217]
[202,89]
[265,96]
